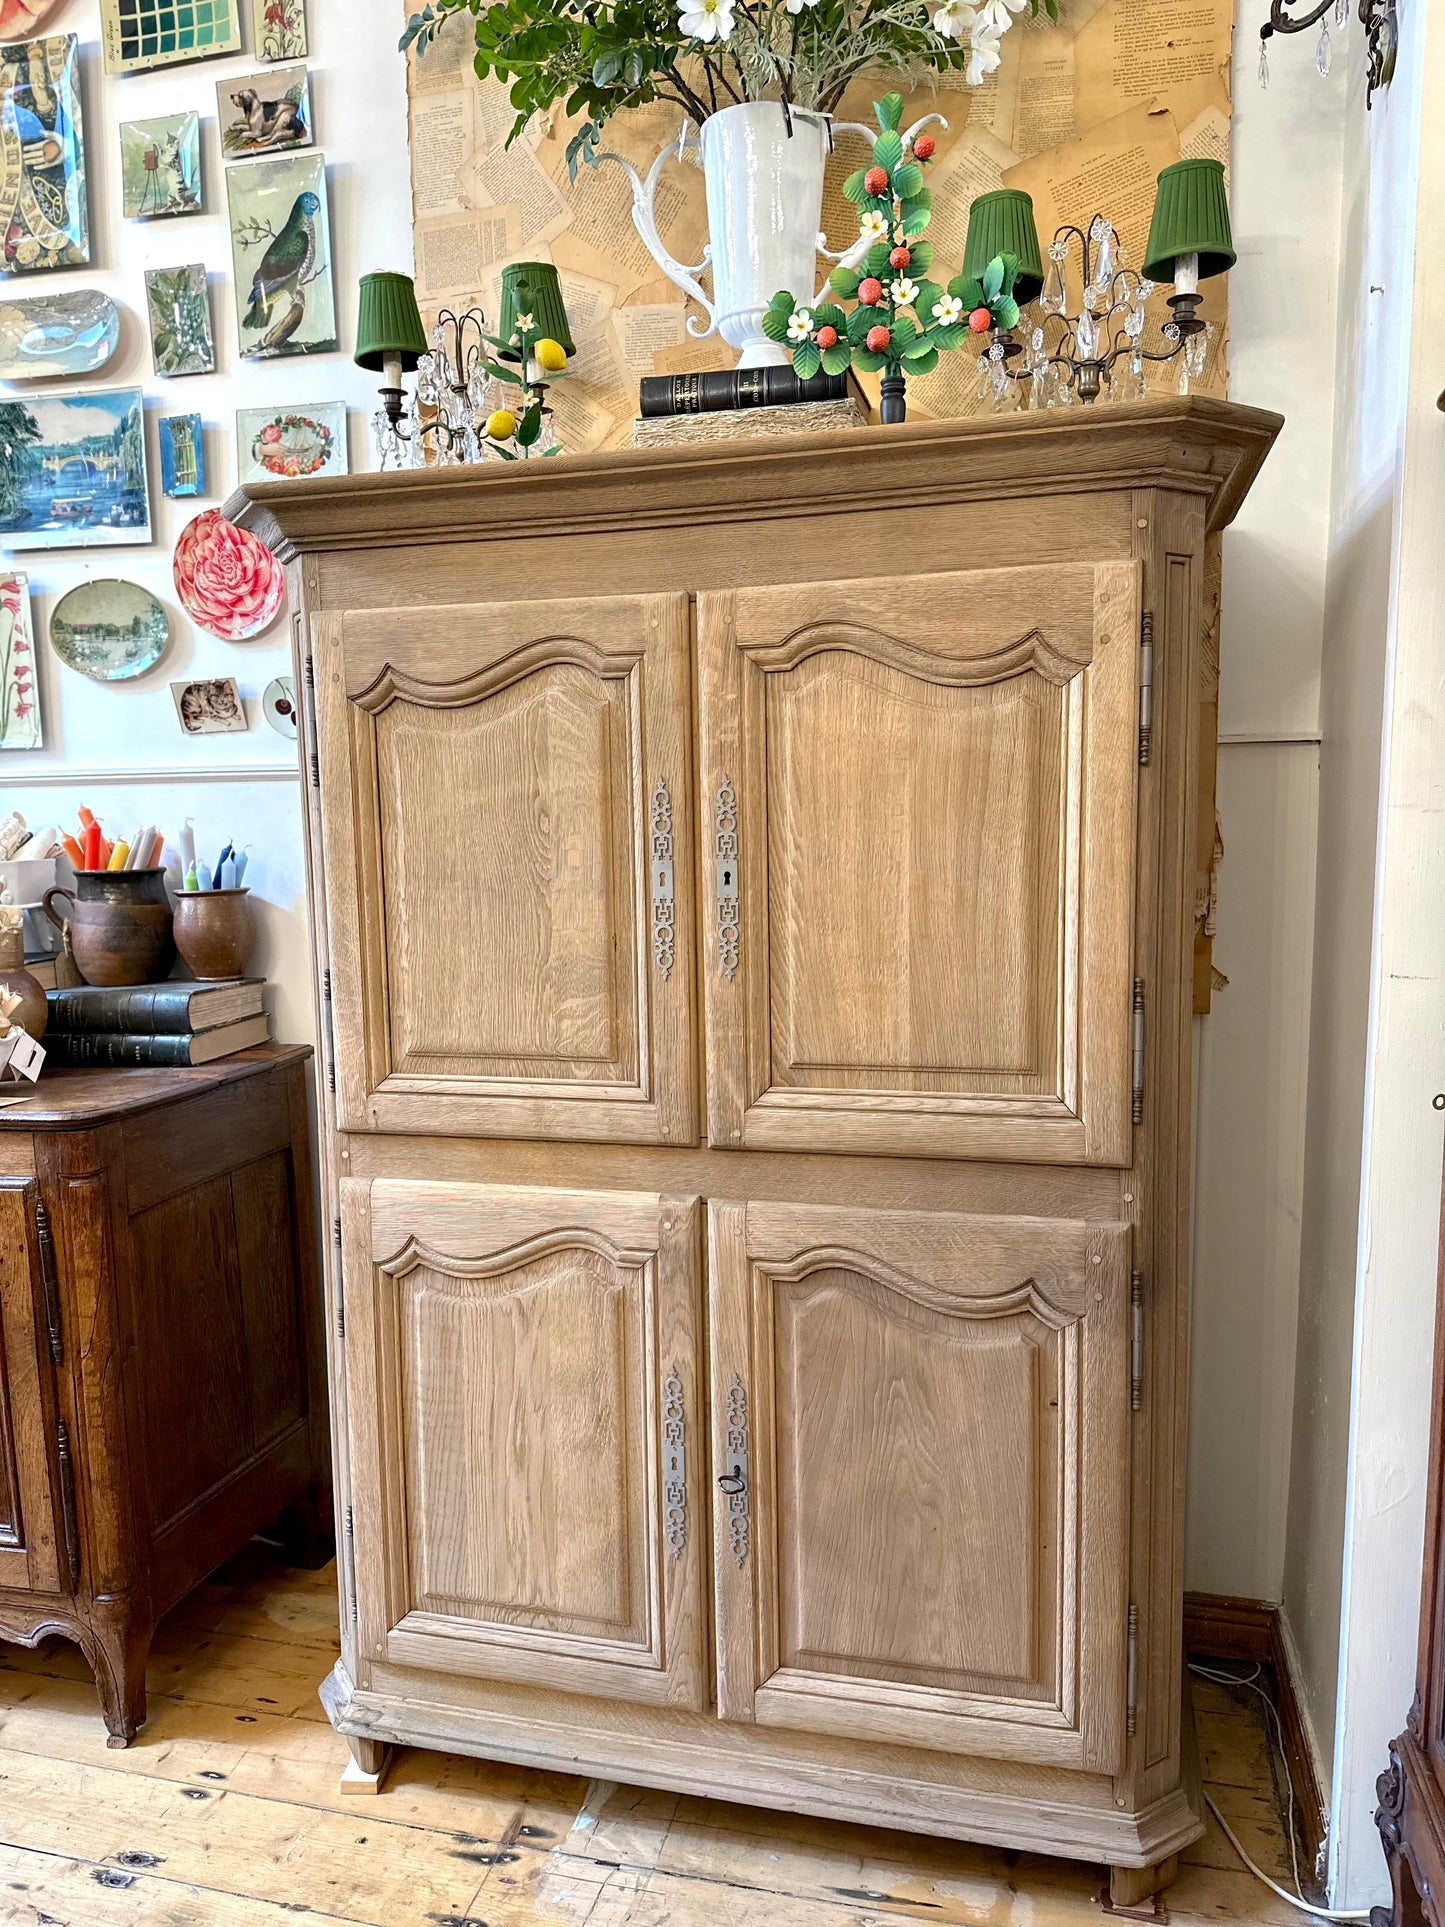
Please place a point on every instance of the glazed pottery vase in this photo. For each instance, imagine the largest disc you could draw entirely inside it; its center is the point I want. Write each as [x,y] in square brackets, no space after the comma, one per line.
[215,932]
[32,1010]
[119,927]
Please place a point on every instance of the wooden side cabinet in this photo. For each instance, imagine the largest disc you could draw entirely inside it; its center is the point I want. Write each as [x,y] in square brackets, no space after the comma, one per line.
[162,1387]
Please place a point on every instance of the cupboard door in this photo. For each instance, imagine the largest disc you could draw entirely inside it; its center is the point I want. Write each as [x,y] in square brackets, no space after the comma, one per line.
[525,1424]
[921,1447]
[505,798]
[29,1299]
[917,831]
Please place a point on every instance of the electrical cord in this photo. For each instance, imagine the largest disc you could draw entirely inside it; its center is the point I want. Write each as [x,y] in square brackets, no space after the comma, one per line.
[1295,1899]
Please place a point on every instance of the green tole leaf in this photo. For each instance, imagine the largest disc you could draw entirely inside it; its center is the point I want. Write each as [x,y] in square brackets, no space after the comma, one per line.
[908,182]
[530,426]
[845,281]
[929,295]
[903,335]
[807,359]
[993,279]
[1005,312]
[969,292]
[875,261]
[862,319]
[775,323]
[923,364]
[888,149]
[837,358]
[889,111]
[922,252]
[505,374]
[828,315]
[870,363]
[853,186]
[951,334]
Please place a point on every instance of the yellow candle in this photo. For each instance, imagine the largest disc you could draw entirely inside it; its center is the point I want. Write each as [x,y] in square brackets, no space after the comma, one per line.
[118,856]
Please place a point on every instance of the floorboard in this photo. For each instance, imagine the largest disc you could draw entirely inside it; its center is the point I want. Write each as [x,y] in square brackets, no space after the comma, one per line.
[226,1813]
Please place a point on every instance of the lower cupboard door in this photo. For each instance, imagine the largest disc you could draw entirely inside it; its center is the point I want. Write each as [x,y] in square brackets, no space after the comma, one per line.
[523,1414]
[921,1465]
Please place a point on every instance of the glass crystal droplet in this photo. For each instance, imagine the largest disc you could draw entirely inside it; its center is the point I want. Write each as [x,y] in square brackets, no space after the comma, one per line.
[1103,276]
[1264,63]
[1084,336]
[1054,295]
[1342,12]
[1322,51]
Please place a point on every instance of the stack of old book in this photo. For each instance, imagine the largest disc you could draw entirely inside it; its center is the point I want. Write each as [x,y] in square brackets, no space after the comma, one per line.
[733,404]
[156,1024]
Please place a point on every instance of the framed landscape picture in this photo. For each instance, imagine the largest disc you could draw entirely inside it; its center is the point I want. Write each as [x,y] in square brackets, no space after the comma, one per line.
[46,218]
[140,34]
[183,462]
[287,443]
[73,471]
[160,166]
[19,695]
[179,311]
[265,113]
[281,247]
[279,29]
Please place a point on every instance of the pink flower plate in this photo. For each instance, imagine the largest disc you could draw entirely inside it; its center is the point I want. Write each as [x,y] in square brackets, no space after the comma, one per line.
[228,582]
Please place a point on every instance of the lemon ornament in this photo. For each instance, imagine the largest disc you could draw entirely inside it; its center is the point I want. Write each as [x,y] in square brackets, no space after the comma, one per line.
[501,425]
[550,355]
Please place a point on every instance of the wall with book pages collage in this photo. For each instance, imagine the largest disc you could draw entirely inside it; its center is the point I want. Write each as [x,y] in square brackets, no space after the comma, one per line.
[1083,115]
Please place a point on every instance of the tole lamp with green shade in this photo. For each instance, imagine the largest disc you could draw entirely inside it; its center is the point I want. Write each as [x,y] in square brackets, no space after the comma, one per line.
[532,294]
[1003,223]
[390,339]
[1189,237]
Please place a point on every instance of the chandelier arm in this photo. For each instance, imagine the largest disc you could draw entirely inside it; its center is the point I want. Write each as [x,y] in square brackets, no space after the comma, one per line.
[1281,21]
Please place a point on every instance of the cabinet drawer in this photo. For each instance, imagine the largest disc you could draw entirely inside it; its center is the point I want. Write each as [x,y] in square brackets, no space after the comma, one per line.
[917,827]
[523,1403]
[921,1448]
[507,822]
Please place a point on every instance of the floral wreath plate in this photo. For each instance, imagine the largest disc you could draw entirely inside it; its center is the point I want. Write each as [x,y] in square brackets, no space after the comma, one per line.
[229,584]
[292,445]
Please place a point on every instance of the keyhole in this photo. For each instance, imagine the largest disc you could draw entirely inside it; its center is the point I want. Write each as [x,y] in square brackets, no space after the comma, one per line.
[728,878]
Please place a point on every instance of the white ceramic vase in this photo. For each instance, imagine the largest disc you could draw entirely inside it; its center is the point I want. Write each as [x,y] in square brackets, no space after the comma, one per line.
[764,175]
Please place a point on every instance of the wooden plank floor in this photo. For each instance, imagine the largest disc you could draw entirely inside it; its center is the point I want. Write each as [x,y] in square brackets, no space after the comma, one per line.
[225,1813]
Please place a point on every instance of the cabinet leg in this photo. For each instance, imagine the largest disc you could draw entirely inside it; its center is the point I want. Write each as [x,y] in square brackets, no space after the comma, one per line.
[118,1655]
[366,1769]
[1135,1887]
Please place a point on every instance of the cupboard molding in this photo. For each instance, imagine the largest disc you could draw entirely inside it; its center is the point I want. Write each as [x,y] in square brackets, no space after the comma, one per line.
[746,1156]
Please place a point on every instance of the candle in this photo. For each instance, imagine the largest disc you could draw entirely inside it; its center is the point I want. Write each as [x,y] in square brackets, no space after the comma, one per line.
[190,882]
[91,845]
[118,856]
[132,861]
[1186,274]
[228,874]
[73,850]
[241,860]
[203,876]
[188,845]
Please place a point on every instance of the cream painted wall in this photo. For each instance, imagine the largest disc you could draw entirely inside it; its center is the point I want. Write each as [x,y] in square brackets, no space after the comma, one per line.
[118,747]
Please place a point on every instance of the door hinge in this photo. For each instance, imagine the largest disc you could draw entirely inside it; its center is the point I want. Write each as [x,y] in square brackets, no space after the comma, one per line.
[49,1282]
[308,677]
[351,1560]
[67,1500]
[1132,1702]
[1137,1086]
[340,1280]
[1136,1340]
[330,1030]
[1146,685]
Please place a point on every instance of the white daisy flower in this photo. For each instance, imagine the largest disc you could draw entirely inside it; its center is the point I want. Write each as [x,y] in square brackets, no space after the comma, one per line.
[797,6]
[983,58]
[903,292]
[948,311]
[996,17]
[873,226]
[705,19]
[954,19]
[800,325]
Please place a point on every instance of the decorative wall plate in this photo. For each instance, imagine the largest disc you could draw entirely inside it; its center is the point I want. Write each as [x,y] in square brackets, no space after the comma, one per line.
[19,684]
[281,445]
[109,630]
[281,251]
[278,29]
[278,704]
[73,472]
[47,219]
[265,113]
[229,584]
[178,309]
[19,19]
[140,34]
[183,460]
[47,335]
[160,166]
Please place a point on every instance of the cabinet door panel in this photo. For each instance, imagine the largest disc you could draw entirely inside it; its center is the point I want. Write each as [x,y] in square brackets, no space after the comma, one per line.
[29,1549]
[523,1404]
[918,844]
[921,1434]
[511,936]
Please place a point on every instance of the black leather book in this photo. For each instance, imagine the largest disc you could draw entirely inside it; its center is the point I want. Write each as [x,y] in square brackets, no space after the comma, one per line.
[703,394]
[198,1047]
[171,1009]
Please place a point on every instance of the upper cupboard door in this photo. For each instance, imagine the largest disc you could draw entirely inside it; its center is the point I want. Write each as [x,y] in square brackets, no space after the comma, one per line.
[506,795]
[918,800]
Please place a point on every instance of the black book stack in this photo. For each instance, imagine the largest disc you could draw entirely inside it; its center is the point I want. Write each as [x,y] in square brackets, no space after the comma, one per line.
[705,394]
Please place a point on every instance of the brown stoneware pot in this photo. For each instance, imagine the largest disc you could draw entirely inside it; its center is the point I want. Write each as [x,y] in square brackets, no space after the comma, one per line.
[32,1010]
[215,930]
[120,925]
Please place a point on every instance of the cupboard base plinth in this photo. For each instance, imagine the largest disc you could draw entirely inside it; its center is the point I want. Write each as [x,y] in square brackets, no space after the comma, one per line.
[698,1755]
[1132,1890]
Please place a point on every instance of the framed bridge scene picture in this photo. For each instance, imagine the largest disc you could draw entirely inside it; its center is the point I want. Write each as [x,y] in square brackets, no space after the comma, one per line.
[73,471]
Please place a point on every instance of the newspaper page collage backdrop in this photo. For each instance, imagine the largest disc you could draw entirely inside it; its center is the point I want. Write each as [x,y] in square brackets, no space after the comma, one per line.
[1083,115]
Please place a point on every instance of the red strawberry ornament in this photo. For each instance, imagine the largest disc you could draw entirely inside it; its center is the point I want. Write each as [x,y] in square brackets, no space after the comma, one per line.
[878,338]
[826,337]
[870,292]
[875,181]
[923,147]
[899,258]
[980,321]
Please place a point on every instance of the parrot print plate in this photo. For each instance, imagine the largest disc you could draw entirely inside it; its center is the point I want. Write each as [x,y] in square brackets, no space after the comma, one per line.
[229,584]
[281,248]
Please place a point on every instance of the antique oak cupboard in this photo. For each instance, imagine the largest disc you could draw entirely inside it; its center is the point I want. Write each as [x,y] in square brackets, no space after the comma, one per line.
[754,918]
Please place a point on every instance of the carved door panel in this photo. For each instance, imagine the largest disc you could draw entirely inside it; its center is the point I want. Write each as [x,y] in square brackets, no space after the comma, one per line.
[917,823]
[524,1409]
[505,797]
[921,1443]
[29,1302]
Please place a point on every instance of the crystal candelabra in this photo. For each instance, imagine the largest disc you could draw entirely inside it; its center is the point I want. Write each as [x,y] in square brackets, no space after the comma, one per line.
[1099,348]
[451,402]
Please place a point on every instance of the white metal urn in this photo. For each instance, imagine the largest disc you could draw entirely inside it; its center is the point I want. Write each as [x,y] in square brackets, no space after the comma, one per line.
[764,175]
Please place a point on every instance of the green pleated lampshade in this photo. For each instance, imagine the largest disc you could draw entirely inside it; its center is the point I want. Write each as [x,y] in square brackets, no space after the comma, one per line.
[1003,223]
[389,323]
[532,287]
[1191,216]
